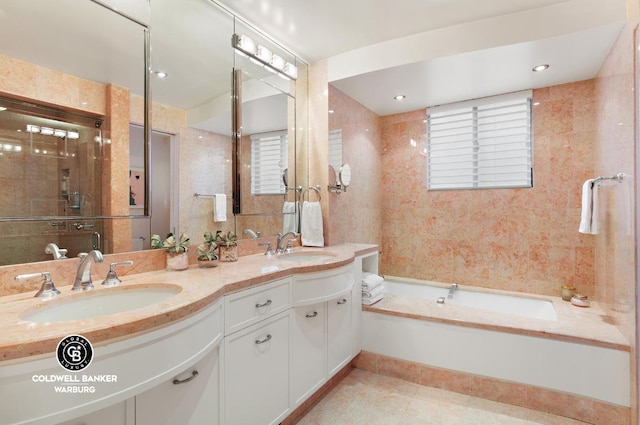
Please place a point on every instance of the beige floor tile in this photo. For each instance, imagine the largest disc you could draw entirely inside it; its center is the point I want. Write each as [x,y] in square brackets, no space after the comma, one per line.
[365,398]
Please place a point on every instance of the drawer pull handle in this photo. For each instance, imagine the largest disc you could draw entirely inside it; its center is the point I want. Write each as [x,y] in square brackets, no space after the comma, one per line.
[184,381]
[264,305]
[342,301]
[314,314]
[262,341]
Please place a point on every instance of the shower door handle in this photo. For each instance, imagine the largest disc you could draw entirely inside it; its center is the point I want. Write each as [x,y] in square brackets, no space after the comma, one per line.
[96,240]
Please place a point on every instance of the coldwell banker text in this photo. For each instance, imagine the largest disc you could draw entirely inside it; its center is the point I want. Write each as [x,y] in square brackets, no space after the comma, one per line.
[75,384]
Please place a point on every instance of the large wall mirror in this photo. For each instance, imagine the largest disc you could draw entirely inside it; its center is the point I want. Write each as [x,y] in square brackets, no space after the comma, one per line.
[266,194]
[160,175]
[72,74]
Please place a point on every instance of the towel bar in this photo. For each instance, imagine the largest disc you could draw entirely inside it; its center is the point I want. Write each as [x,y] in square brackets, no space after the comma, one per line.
[197,195]
[618,177]
[316,188]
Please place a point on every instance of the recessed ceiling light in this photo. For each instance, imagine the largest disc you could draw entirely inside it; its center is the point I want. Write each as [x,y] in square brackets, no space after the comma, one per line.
[539,68]
[536,103]
[2,108]
[331,111]
[161,74]
[399,97]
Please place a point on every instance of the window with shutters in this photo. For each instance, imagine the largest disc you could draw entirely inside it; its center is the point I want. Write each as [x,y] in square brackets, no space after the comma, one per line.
[481,144]
[269,157]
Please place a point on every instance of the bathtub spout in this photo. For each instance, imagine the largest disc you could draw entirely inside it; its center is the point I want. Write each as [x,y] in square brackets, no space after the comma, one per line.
[452,290]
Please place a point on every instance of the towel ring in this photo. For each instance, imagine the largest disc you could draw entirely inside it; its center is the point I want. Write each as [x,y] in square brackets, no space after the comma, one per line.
[316,188]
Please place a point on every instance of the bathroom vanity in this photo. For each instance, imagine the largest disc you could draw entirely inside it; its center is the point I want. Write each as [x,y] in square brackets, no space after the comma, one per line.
[246,342]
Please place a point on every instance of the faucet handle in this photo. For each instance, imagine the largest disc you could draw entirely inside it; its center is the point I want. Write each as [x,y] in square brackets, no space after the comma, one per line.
[112,278]
[47,290]
[269,251]
[289,248]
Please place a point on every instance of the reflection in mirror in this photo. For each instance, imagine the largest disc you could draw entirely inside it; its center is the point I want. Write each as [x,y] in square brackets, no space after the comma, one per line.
[75,79]
[191,108]
[268,199]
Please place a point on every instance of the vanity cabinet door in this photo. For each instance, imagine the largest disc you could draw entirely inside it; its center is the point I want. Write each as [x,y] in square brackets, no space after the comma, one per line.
[256,373]
[113,415]
[186,399]
[309,351]
[339,332]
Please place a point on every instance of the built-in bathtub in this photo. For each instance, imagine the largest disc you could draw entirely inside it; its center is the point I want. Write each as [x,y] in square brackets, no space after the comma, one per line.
[518,305]
[552,345]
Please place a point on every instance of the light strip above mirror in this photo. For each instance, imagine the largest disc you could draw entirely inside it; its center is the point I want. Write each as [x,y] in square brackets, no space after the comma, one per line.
[262,56]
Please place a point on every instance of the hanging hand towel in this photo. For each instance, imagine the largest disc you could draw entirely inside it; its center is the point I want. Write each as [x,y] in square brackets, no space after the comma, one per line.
[589,216]
[290,221]
[220,207]
[311,224]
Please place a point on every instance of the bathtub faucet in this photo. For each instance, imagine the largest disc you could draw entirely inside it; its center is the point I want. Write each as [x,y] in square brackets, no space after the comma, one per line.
[452,290]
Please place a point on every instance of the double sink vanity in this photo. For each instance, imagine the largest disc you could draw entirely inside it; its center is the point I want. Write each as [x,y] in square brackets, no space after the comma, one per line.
[243,343]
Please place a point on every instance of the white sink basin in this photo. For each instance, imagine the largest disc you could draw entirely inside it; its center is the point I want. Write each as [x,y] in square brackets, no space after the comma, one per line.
[307,256]
[102,303]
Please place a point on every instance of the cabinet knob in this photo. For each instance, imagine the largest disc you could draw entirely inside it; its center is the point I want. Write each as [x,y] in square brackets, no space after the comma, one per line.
[342,301]
[314,314]
[262,341]
[264,305]
[184,381]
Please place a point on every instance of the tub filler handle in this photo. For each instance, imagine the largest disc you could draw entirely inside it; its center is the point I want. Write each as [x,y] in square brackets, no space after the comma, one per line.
[440,300]
[452,290]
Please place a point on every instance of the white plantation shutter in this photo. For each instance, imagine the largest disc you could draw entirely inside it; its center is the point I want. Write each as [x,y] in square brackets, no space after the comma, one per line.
[269,157]
[484,143]
[335,149]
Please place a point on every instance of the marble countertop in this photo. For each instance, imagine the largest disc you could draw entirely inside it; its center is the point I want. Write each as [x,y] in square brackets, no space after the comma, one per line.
[574,324]
[22,340]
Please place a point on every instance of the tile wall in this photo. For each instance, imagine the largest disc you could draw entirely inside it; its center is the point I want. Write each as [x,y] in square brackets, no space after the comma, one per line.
[514,239]
[615,152]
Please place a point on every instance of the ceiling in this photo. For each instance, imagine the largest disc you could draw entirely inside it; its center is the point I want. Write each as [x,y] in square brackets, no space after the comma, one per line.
[441,51]
[432,51]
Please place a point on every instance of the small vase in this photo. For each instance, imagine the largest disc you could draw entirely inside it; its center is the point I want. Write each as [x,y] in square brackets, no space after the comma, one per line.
[177,261]
[567,292]
[207,263]
[228,252]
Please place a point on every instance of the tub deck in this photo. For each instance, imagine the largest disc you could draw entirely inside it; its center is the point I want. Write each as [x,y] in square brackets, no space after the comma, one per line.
[575,324]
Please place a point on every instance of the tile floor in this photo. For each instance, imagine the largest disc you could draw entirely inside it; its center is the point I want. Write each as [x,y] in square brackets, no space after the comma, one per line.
[367,398]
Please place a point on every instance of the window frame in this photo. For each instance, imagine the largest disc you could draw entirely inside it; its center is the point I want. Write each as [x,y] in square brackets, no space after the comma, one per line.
[472,107]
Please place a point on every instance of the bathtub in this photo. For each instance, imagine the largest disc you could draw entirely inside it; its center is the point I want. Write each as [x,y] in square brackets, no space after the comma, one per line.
[533,308]
[536,341]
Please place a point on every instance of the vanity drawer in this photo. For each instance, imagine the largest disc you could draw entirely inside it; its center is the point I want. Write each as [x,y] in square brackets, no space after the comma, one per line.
[245,308]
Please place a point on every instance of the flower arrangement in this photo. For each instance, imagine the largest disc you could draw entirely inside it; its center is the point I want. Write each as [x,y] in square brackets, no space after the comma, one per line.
[226,239]
[228,244]
[171,244]
[208,250]
[177,258]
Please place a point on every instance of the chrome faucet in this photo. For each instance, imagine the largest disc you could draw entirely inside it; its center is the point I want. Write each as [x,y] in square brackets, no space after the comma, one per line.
[252,233]
[83,275]
[452,290]
[281,239]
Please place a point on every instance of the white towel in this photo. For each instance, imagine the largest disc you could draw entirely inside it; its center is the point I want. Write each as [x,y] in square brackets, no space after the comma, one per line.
[371,281]
[219,207]
[373,292]
[369,301]
[589,216]
[311,224]
[290,222]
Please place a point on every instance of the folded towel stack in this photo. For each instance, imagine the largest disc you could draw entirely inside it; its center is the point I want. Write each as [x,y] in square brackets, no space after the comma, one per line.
[372,288]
